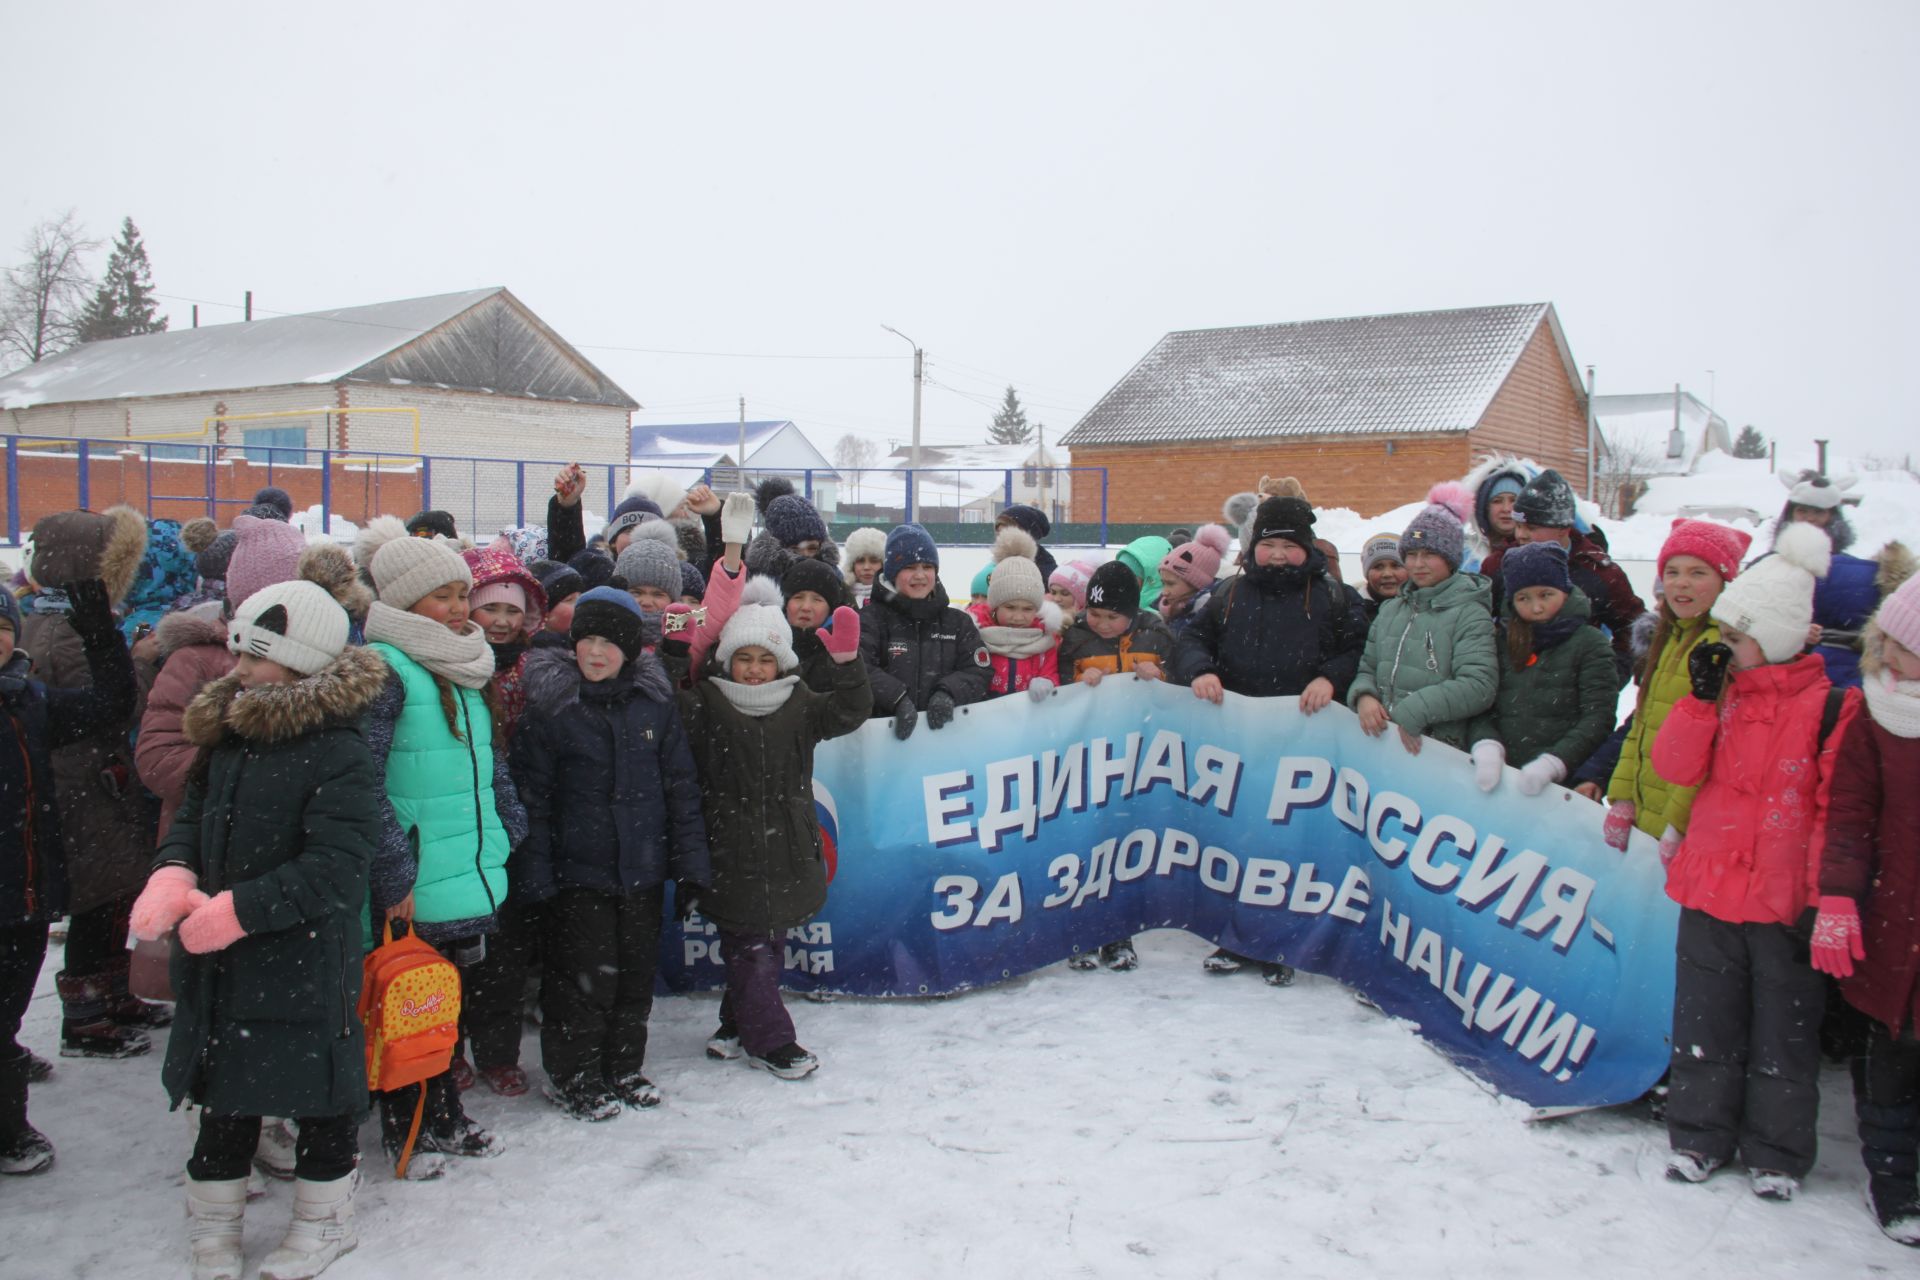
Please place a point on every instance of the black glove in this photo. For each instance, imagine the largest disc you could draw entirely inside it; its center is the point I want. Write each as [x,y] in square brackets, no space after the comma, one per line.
[686,898]
[904,717]
[939,710]
[1707,668]
[90,612]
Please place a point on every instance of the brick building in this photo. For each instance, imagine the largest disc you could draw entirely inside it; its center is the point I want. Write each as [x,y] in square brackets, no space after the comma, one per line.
[1368,411]
[482,375]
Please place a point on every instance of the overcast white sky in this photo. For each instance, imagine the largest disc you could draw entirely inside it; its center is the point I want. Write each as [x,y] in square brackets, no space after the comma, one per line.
[1035,192]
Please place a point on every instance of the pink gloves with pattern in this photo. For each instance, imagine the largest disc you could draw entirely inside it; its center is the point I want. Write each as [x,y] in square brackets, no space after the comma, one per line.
[1619,824]
[171,894]
[1836,936]
[842,641]
[1670,841]
[213,926]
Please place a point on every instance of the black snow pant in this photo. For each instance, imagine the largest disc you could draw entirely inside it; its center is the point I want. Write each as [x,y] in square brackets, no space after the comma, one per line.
[23,948]
[326,1149]
[494,987]
[1886,1101]
[601,951]
[1746,1044]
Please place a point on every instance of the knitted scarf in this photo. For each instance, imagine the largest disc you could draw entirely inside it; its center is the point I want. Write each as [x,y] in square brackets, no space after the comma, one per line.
[463,658]
[1893,704]
[1017,642]
[756,700]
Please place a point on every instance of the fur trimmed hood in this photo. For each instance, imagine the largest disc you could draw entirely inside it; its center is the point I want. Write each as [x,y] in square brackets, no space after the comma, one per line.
[337,694]
[201,625]
[552,679]
[766,558]
[328,566]
[1896,566]
[74,546]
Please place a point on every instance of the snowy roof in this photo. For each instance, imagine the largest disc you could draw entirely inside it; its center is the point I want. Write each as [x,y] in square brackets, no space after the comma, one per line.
[994,457]
[316,347]
[1645,422]
[1427,371]
[700,439]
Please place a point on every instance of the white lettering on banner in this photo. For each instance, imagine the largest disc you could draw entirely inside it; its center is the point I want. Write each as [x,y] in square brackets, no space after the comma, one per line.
[1219,869]
[697,948]
[1216,778]
[1099,873]
[817,934]
[1003,904]
[1265,884]
[1064,869]
[1011,804]
[1125,867]
[1177,849]
[1166,761]
[942,806]
[1104,769]
[1350,798]
[1299,782]
[1063,779]
[1355,896]
[1311,897]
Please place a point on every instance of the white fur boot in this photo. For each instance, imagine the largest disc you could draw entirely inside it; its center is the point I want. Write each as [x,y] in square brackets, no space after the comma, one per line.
[214,1210]
[322,1230]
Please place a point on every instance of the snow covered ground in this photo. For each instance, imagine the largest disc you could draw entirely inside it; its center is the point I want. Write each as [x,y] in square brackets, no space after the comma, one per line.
[1161,1123]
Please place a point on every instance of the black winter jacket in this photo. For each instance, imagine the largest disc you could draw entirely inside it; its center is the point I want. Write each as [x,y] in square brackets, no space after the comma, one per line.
[39,721]
[915,648]
[607,776]
[1272,630]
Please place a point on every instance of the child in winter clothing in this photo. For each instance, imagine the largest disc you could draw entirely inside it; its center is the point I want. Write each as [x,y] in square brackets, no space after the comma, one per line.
[977,591]
[1018,624]
[812,593]
[1696,563]
[921,653]
[1854,585]
[1556,698]
[613,811]
[1429,665]
[1380,562]
[264,873]
[449,813]
[1188,575]
[1747,1006]
[1867,933]
[1067,587]
[791,529]
[753,727]
[1142,556]
[507,602]
[649,565]
[1034,523]
[39,721]
[866,552]
[1118,632]
[561,584]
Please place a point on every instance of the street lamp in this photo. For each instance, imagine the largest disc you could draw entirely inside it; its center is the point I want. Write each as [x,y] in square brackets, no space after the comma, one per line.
[913,454]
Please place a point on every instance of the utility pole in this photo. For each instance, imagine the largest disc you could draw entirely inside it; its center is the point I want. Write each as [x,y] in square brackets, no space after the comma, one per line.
[1821,445]
[249,304]
[740,454]
[1042,457]
[1593,466]
[913,454]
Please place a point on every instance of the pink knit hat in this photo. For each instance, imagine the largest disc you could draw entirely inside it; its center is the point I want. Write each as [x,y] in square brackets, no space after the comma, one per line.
[1073,577]
[498,576]
[1716,544]
[1899,614]
[1197,563]
[264,552]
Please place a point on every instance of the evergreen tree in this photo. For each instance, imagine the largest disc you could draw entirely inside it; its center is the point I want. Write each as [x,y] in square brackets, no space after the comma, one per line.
[1750,444]
[123,306]
[1010,425]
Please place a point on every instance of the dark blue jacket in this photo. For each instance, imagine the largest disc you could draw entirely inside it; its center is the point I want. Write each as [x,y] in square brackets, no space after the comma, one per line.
[606,774]
[1271,631]
[1843,601]
[37,721]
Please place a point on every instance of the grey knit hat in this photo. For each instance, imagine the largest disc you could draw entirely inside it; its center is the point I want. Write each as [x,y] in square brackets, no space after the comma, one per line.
[407,570]
[1381,546]
[1015,575]
[1435,529]
[1547,501]
[651,558]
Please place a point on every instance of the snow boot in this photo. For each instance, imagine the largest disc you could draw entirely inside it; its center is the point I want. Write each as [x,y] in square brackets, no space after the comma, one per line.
[275,1155]
[1221,961]
[1769,1184]
[130,1010]
[462,1072]
[87,1028]
[214,1210]
[25,1152]
[1120,956]
[39,1070]
[635,1090]
[396,1119]
[1084,960]
[508,1081]
[1688,1166]
[322,1230]
[1895,1204]
[789,1061]
[724,1044]
[583,1097]
[1277,974]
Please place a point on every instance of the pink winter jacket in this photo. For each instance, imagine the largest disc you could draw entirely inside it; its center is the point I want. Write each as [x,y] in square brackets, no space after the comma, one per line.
[193,651]
[1749,856]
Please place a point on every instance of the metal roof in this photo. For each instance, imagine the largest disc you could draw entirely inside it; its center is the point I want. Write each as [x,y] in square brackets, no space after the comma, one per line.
[1426,371]
[674,439]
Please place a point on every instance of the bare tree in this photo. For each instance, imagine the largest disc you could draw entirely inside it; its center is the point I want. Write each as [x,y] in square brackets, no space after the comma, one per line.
[1626,466]
[42,298]
[852,453]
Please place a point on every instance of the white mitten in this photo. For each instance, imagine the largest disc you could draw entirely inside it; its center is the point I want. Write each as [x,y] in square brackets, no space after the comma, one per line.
[1489,757]
[736,519]
[1539,772]
[1038,688]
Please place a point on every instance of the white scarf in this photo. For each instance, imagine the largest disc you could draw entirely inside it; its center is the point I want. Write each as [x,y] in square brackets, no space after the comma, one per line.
[756,700]
[1016,642]
[1893,704]
[463,657]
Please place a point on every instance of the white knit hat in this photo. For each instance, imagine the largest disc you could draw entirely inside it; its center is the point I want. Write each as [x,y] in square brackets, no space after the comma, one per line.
[1811,489]
[407,570]
[1015,575]
[759,621]
[866,544]
[296,624]
[1773,600]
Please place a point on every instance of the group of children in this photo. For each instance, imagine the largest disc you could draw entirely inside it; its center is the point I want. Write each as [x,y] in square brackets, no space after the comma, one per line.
[514,750]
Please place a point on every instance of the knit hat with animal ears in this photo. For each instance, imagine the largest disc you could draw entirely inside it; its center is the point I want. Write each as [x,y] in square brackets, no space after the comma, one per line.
[758,622]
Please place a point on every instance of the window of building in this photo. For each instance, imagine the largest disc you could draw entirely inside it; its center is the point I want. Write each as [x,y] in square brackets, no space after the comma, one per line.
[276,446]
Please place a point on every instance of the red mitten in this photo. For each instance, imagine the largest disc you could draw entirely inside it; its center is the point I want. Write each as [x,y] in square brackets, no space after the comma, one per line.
[1619,824]
[842,638]
[164,903]
[1836,936]
[213,926]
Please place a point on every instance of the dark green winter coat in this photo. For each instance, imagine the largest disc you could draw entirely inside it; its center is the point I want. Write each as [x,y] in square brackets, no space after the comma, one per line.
[756,778]
[1430,658]
[286,816]
[1562,703]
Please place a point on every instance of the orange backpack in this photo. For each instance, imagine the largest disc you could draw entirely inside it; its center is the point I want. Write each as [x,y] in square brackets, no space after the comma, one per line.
[410,1005]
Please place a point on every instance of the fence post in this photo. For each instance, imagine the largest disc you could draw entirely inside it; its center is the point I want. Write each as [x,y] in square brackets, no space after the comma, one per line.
[907,516]
[212,483]
[473,495]
[85,494]
[519,494]
[426,483]
[806,484]
[611,501]
[1103,506]
[1009,493]
[13,491]
[326,493]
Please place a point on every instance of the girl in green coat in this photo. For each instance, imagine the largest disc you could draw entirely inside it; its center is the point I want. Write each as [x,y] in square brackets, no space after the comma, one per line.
[264,872]
[1697,561]
[1556,699]
[1429,666]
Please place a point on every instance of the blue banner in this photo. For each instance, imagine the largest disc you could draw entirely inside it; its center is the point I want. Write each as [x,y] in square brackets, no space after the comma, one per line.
[1532,954]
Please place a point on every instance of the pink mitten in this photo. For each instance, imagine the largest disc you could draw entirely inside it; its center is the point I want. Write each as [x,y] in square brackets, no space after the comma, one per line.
[1619,824]
[163,903]
[1836,936]
[1670,841]
[842,641]
[213,926]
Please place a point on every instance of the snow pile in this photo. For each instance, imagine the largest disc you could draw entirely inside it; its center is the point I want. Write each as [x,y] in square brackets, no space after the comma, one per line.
[318,526]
